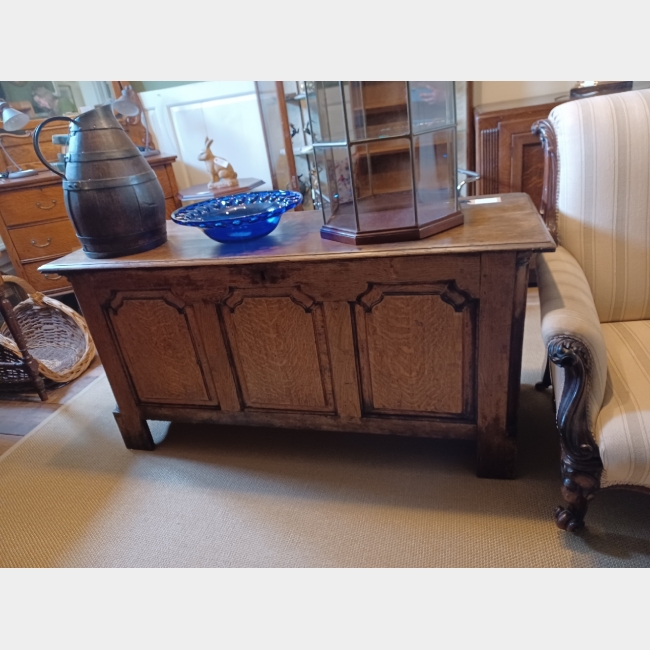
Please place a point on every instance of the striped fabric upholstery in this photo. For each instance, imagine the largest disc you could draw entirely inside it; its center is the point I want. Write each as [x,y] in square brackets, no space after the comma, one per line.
[604,198]
[603,215]
[623,426]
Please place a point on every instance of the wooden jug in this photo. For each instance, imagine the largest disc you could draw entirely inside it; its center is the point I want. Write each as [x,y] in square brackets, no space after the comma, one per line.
[111,194]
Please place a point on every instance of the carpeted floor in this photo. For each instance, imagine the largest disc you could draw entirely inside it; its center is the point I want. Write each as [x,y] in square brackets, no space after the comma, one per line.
[72,495]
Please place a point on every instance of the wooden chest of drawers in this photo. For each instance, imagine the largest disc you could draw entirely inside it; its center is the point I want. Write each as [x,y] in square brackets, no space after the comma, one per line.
[35,227]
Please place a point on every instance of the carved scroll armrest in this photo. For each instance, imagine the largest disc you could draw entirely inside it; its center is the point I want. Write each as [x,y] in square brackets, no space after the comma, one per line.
[573,336]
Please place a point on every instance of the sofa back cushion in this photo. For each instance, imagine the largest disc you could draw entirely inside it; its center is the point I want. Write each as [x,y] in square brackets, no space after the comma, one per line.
[603,202]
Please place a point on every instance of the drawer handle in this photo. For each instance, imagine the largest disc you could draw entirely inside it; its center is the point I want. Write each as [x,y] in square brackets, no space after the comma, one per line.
[45,245]
[38,205]
[52,276]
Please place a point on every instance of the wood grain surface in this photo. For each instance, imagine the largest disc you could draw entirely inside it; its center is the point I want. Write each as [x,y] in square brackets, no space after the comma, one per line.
[32,205]
[134,428]
[154,337]
[44,282]
[415,353]
[511,224]
[277,355]
[496,433]
[165,182]
[342,351]
[32,244]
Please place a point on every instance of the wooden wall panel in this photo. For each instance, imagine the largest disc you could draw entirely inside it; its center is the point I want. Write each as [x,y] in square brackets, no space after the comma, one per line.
[508,157]
[488,161]
[528,159]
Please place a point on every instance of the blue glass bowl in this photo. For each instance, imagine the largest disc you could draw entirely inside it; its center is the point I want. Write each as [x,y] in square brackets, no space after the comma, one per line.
[239,217]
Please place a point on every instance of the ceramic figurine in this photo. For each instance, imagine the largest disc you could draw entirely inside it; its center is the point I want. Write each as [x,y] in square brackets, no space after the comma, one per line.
[221,171]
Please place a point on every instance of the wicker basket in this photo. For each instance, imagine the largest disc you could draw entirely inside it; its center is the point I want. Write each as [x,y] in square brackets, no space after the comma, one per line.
[56,336]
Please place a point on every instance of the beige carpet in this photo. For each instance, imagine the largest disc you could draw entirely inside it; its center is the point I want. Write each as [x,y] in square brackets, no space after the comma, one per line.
[72,495]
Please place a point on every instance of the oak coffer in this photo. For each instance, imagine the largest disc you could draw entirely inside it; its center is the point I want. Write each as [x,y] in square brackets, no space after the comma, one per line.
[416,338]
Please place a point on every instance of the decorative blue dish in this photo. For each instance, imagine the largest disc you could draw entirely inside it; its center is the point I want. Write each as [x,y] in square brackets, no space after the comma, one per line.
[238,217]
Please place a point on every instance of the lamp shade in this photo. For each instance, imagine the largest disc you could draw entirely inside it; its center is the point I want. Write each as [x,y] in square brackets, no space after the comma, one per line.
[126,106]
[12,119]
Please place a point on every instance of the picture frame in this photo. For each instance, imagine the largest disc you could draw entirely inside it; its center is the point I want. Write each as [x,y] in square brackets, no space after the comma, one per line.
[65,92]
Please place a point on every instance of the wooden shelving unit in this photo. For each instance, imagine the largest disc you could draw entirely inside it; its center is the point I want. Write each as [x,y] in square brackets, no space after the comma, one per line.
[284,118]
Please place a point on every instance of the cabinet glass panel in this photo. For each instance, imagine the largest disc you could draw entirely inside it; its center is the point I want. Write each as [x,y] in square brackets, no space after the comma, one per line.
[435,174]
[432,105]
[270,112]
[335,187]
[376,109]
[400,137]
[383,186]
[326,111]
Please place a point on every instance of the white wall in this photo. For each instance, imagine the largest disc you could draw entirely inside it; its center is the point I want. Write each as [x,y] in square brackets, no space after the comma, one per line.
[227,111]
[488,92]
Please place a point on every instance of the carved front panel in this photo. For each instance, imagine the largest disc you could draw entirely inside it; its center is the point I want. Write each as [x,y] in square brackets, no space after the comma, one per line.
[160,347]
[416,349]
[279,348]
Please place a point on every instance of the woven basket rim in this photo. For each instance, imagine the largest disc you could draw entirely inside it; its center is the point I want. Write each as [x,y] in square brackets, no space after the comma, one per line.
[37,299]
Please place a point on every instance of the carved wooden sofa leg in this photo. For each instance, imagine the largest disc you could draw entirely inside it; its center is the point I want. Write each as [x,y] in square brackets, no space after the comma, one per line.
[581,464]
[579,485]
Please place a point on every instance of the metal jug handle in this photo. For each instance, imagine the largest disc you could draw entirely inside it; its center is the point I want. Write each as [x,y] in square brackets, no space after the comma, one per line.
[37,147]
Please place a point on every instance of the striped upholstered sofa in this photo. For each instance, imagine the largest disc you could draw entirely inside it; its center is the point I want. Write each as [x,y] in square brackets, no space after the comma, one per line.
[595,293]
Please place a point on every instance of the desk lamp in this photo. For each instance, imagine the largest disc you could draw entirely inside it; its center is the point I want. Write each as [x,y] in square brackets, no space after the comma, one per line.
[13,120]
[128,105]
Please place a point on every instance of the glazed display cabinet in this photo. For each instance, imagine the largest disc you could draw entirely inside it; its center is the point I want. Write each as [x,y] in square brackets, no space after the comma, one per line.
[385,153]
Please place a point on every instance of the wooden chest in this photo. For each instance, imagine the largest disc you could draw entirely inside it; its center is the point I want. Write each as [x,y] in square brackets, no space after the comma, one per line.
[416,338]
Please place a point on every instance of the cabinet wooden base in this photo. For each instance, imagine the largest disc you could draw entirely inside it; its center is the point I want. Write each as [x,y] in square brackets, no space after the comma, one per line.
[396,235]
